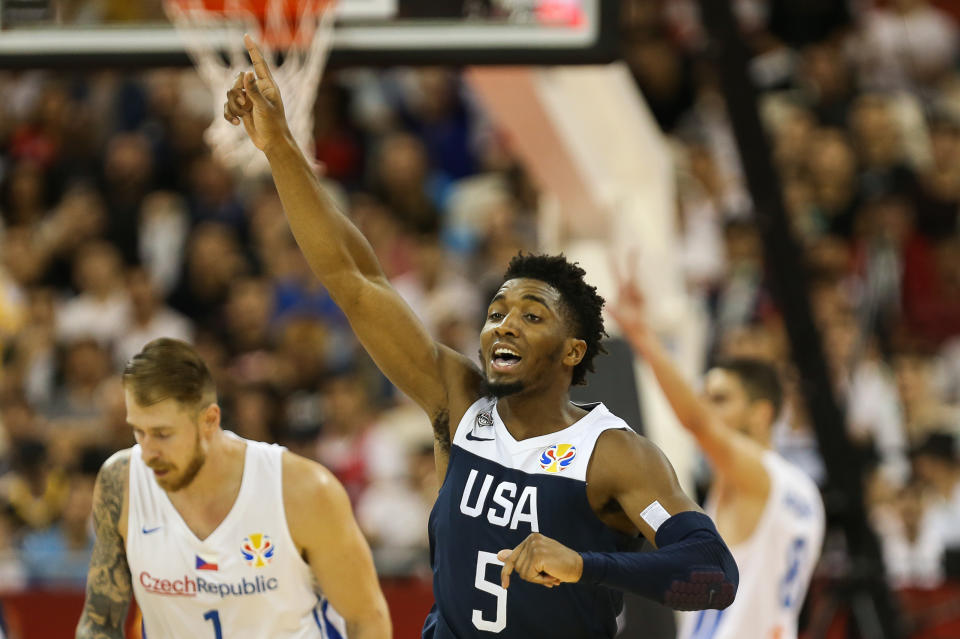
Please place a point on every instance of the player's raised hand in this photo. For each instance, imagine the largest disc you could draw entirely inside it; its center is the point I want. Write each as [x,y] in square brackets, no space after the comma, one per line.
[541,560]
[629,311]
[254,100]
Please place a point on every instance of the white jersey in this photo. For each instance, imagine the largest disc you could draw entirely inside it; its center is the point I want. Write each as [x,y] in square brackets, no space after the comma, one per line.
[775,562]
[246,579]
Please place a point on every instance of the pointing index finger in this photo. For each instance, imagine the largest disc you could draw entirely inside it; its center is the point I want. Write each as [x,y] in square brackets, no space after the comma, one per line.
[256,56]
[507,570]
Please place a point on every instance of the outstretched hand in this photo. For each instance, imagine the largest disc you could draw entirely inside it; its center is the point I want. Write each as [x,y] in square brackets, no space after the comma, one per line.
[541,560]
[629,311]
[254,100]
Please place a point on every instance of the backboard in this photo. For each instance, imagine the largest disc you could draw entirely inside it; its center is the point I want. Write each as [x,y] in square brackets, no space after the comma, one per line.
[96,33]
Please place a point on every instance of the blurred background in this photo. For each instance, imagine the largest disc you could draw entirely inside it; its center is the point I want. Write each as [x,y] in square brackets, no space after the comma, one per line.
[119,226]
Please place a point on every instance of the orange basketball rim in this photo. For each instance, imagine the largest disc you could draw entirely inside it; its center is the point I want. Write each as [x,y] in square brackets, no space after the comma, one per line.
[277,24]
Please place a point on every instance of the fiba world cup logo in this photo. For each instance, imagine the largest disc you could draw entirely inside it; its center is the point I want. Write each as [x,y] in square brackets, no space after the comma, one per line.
[258,550]
[558,457]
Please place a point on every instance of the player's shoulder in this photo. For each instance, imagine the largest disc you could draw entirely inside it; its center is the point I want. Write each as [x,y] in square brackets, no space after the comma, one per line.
[110,491]
[308,484]
[312,497]
[304,475]
[623,442]
[796,495]
[115,470]
[800,492]
[623,451]
[624,462]
[788,473]
[121,458]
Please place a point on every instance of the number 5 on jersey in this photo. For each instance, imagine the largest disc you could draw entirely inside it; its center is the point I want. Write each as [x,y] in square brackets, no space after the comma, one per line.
[485,559]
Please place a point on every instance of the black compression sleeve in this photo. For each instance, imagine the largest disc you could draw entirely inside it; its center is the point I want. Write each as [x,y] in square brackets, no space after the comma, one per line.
[691,569]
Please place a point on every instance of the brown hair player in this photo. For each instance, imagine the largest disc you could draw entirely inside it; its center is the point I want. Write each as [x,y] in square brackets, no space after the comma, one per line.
[217,536]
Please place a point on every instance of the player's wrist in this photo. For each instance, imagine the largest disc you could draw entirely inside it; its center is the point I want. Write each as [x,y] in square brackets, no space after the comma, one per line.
[280,143]
[593,567]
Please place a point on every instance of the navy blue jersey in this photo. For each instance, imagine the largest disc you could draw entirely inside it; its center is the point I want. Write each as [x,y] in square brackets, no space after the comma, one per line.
[497,491]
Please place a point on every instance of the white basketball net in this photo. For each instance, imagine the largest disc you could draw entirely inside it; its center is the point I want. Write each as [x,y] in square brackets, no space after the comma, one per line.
[206,33]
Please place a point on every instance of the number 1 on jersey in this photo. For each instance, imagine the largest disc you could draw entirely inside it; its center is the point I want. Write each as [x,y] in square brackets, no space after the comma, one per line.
[214,616]
[484,559]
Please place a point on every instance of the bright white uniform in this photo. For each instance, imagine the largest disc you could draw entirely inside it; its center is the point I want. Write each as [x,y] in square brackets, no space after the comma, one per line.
[775,562]
[244,580]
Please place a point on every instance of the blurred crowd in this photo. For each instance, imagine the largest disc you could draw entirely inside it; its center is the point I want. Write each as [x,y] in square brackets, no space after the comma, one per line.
[118,226]
[861,105]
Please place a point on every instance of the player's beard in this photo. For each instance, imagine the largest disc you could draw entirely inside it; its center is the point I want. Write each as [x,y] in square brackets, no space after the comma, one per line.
[190,472]
[500,390]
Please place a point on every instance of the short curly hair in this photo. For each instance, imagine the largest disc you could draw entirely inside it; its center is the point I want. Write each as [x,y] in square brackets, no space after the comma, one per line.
[583,306]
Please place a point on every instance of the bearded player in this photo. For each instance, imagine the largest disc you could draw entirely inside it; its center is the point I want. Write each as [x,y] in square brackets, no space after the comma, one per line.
[217,536]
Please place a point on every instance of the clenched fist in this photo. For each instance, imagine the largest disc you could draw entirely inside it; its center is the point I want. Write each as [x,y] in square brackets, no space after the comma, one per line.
[541,560]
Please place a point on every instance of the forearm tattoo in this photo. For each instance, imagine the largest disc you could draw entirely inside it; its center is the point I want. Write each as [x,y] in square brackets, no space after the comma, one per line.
[108,580]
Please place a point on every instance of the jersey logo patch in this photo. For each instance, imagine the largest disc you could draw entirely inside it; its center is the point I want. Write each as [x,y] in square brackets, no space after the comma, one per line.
[483,420]
[206,562]
[557,457]
[258,550]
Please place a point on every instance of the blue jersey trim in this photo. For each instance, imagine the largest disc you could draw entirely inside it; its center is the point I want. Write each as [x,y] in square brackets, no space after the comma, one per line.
[326,628]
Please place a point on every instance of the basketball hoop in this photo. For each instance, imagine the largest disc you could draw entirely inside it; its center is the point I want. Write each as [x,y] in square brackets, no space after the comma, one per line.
[212,32]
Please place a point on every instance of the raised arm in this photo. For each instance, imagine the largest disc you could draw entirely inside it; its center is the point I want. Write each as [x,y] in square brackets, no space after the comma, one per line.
[108,579]
[736,459]
[432,375]
[323,527]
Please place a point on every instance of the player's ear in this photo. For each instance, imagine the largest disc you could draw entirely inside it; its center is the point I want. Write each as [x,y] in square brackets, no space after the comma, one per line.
[210,417]
[573,351]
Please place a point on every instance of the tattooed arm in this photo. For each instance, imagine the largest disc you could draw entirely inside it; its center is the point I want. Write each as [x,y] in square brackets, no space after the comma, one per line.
[108,580]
